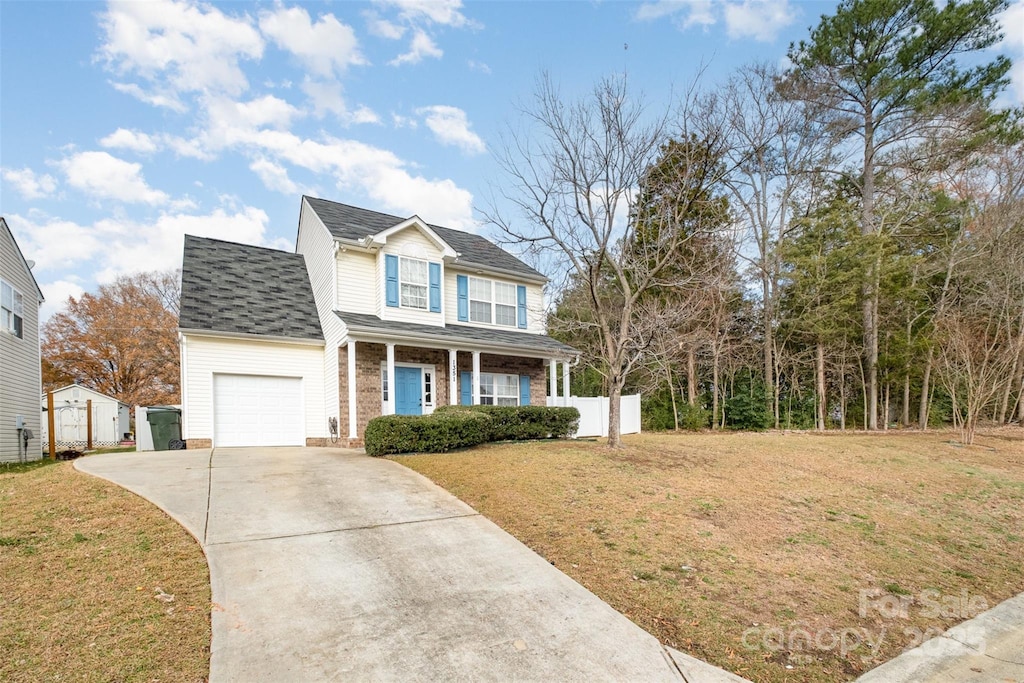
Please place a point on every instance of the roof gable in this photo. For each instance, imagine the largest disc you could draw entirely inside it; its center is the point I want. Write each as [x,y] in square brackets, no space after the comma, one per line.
[242,289]
[415,223]
[88,390]
[346,222]
[21,258]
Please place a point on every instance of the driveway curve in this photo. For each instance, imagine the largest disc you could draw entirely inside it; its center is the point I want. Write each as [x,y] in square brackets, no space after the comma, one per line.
[330,565]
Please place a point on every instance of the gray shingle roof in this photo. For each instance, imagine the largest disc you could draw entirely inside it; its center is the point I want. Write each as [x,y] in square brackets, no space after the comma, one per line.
[457,333]
[242,289]
[353,223]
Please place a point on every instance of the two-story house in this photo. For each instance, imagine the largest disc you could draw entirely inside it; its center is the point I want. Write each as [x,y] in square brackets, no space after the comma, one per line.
[373,315]
[20,368]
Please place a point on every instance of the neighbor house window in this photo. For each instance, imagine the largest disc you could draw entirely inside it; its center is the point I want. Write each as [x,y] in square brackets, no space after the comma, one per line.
[414,280]
[499,390]
[12,310]
[485,295]
[384,384]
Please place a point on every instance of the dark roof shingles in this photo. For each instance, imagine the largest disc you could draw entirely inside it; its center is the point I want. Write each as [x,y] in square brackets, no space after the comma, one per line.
[242,289]
[462,333]
[353,223]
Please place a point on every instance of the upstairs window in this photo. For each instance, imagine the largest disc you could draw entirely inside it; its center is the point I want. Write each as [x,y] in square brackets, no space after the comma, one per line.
[479,300]
[504,304]
[414,281]
[491,302]
[12,310]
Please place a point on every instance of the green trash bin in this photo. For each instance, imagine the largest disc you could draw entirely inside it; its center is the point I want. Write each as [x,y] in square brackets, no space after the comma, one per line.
[165,424]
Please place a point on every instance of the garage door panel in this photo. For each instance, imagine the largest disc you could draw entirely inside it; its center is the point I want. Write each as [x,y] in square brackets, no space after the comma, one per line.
[253,410]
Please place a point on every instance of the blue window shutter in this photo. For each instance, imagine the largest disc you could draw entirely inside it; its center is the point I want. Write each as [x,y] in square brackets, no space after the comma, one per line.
[524,390]
[521,298]
[466,388]
[391,279]
[435,287]
[463,286]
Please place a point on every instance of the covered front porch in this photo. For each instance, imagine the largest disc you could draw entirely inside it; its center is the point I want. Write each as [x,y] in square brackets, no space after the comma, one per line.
[386,371]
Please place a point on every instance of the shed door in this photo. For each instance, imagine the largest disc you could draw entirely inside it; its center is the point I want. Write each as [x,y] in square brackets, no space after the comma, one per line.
[251,410]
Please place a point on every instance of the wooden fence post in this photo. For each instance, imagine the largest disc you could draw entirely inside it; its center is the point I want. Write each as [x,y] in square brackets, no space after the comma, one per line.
[88,424]
[49,423]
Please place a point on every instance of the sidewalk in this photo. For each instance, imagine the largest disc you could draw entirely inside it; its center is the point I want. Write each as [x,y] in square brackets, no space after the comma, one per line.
[986,649]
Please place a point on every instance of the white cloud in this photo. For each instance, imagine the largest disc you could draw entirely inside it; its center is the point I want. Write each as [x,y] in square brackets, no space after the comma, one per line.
[325,47]
[1012,21]
[450,126]
[421,46]
[106,177]
[119,245]
[28,184]
[164,99]
[443,12]
[327,98]
[122,138]
[56,294]
[195,46]
[274,176]
[758,19]
[693,11]
[266,111]
[382,28]
[479,66]
[400,121]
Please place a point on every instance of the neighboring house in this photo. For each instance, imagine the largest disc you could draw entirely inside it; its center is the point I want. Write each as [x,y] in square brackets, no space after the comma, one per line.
[20,367]
[373,315]
[111,419]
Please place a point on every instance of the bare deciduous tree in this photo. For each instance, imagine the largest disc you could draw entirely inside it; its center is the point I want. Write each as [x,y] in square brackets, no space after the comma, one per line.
[576,174]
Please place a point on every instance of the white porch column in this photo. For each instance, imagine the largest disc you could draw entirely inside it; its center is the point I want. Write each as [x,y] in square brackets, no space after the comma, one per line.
[476,378]
[352,411]
[453,377]
[389,407]
[565,383]
[553,380]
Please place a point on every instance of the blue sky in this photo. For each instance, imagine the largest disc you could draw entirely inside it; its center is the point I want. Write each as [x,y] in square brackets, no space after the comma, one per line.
[124,126]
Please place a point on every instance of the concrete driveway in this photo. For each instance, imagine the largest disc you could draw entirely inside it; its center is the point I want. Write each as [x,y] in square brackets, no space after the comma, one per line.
[329,565]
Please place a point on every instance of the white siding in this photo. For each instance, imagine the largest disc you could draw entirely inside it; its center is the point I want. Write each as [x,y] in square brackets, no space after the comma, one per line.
[357,284]
[534,302]
[20,371]
[316,244]
[206,356]
[413,243]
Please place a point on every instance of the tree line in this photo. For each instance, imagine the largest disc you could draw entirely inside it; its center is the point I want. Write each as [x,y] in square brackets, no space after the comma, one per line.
[835,244]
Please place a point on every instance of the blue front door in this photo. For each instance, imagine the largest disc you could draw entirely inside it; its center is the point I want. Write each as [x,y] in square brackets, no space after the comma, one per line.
[408,391]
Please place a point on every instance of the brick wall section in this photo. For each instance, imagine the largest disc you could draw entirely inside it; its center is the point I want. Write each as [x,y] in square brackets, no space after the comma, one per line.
[198,443]
[512,365]
[368,390]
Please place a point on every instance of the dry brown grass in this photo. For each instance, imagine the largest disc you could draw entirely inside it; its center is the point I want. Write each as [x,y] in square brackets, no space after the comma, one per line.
[723,544]
[84,564]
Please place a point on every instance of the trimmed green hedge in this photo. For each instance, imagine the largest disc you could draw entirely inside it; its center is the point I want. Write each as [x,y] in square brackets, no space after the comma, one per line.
[517,423]
[452,427]
[392,434]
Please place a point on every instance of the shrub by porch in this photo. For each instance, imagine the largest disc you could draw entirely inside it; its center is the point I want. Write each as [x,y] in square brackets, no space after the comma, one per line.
[454,427]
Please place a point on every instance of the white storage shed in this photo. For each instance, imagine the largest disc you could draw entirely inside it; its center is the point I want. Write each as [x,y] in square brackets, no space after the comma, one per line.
[111,419]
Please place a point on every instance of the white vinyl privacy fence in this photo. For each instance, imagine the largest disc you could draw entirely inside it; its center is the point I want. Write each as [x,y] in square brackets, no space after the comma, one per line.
[594,413]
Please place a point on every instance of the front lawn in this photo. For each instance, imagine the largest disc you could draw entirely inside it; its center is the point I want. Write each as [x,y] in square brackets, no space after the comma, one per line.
[97,584]
[780,557]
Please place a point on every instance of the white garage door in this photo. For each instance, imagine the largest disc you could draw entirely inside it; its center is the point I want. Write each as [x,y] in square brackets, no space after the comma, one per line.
[250,410]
